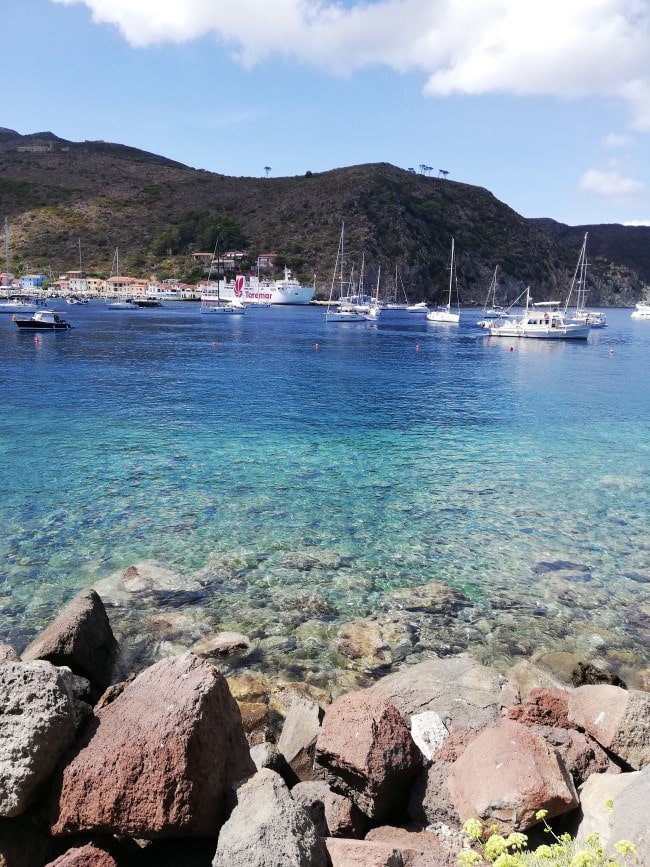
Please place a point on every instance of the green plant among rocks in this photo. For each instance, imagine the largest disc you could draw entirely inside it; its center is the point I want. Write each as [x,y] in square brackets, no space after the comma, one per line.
[564,851]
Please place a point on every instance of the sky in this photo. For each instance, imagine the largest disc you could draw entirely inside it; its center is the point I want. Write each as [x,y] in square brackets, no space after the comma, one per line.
[545,104]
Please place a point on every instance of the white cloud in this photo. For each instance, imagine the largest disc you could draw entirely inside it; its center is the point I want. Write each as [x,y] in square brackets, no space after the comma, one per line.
[559,47]
[616,140]
[637,223]
[610,184]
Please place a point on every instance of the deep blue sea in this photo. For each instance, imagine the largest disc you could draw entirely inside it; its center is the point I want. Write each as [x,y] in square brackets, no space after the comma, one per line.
[295,475]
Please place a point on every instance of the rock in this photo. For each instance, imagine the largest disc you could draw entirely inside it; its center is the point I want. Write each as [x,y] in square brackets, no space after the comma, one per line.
[267,755]
[430,799]
[333,815]
[7,653]
[581,754]
[363,853]
[268,828]
[428,731]
[419,848]
[595,793]
[376,642]
[629,819]
[368,752]
[159,760]
[298,739]
[24,842]
[618,719]
[81,638]
[37,721]
[462,691]
[506,774]
[84,856]
[542,707]
[222,644]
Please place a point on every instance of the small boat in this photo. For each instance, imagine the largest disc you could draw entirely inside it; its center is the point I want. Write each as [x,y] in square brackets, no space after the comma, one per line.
[641,311]
[143,301]
[393,309]
[342,309]
[42,320]
[443,314]
[594,318]
[16,304]
[491,310]
[543,320]
[211,302]
[122,304]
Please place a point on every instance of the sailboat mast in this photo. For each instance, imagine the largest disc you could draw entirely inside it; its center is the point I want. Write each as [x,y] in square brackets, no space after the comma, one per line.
[342,256]
[7,248]
[451,272]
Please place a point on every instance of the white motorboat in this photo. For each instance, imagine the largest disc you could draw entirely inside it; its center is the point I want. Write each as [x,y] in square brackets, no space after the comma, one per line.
[544,320]
[122,304]
[444,314]
[42,320]
[641,311]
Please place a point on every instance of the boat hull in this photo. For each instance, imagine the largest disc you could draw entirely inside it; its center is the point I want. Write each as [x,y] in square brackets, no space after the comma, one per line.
[541,332]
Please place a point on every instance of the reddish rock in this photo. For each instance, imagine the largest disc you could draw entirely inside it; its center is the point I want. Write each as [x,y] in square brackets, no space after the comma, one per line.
[616,718]
[419,848]
[543,707]
[581,754]
[508,773]
[81,638]
[84,856]
[390,847]
[159,760]
[368,752]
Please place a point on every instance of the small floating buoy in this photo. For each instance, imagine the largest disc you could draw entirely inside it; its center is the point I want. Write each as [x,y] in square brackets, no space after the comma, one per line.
[214,344]
[316,347]
[37,339]
[611,353]
[512,349]
[417,347]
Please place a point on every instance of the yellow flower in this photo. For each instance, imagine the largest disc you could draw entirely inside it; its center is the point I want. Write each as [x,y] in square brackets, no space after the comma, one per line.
[609,805]
[468,857]
[544,851]
[516,840]
[494,847]
[473,828]
[507,860]
[582,859]
[624,847]
[541,814]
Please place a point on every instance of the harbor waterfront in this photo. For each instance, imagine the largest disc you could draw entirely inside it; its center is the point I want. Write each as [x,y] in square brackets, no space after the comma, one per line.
[297,483]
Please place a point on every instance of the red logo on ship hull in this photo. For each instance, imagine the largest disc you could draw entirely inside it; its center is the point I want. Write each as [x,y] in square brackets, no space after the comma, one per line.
[239,286]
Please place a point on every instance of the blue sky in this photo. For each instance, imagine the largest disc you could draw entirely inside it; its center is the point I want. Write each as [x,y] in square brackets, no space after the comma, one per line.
[545,105]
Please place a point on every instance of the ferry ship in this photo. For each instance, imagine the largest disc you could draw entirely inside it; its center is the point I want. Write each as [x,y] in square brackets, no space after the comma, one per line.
[255,290]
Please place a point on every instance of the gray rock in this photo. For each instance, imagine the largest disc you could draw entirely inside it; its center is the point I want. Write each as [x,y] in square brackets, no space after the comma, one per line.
[268,828]
[299,734]
[80,638]
[629,820]
[594,796]
[333,815]
[37,721]
[463,692]
[266,755]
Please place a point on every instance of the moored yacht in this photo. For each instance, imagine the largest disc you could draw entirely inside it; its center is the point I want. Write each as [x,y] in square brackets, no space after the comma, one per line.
[543,320]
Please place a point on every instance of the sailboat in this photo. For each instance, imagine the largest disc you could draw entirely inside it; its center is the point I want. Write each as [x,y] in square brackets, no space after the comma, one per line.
[121,303]
[581,314]
[211,301]
[341,309]
[10,300]
[443,314]
[491,309]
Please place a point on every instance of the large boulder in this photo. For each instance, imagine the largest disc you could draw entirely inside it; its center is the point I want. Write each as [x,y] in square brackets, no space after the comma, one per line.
[368,752]
[159,760]
[268,828]
[617,718]
[81,638]
[37,721]
[463,692]
[508,773]
[597,794]
[629,820]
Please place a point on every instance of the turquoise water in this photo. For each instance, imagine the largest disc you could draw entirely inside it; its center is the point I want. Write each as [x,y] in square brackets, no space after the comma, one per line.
[295,476]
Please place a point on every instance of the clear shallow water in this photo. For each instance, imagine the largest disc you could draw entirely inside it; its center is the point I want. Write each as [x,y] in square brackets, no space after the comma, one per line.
[297,474]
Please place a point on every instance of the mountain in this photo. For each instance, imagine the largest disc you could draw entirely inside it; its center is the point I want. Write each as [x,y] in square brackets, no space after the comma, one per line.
[70,200]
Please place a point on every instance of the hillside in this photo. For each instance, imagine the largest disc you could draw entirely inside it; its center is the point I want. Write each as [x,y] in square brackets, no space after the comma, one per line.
[65,197]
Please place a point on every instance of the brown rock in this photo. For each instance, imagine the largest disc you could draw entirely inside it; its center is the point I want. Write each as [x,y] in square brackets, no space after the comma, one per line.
[81,638]
[581,754]
[298,739]
[617,718]
[508,773]
[84,856]
[543,707]
[333,815]
[159,760]
[368,752]
[419,848]
[390,847]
